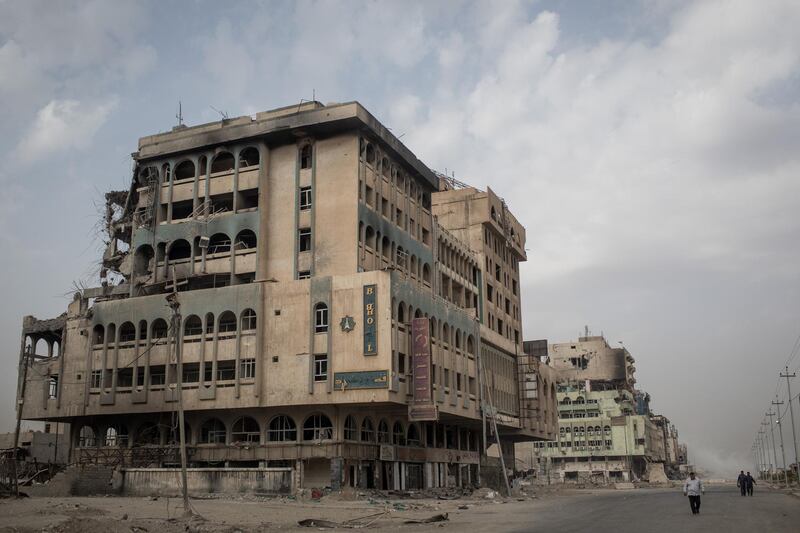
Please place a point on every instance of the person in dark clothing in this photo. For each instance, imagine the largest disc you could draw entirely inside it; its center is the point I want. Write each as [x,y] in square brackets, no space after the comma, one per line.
[741,482]
[750,482]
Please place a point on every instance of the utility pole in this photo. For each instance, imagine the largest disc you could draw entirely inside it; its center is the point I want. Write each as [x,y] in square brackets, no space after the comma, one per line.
[26,352]
[760,445]
[787,375]
[770,414]
[174,304]
[766,448]
[780,434]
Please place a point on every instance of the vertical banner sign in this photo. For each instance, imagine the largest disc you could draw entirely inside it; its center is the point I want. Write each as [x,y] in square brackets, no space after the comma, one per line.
[370,327]
[422,407]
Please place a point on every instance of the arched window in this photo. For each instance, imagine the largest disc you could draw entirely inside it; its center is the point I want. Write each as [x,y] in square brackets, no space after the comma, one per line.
[281,429]
[320,318]
[142,330]
[213,432]
[383,432]
[219,244]
[227,322]
[470,345]
[248,157]
[367,431]
[317,427]
[86,437]
[184,170]
[401,313]
[369,237]
[246,430]
[127,332]
[116,435]
[148,433]
[223,162]
[248,320]
[607,429]
[370,155]
[413,438]
[426,273]
[385,167]
[305,156]
[399,434]
[209,323]
[350,428]
[159,326]
[246,240]
[98,334]
[179,249]
[193,326]
[142,260]
[579,400]
[562,430]
[597,429]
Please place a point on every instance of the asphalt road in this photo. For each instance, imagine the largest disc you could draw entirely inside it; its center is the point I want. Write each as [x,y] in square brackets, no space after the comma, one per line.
[657,511]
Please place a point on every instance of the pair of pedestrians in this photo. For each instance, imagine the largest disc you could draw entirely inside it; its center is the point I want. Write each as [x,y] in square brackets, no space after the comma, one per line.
[745,483]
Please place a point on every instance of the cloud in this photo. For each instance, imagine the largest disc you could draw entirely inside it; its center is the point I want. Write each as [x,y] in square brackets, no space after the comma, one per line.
[62,125]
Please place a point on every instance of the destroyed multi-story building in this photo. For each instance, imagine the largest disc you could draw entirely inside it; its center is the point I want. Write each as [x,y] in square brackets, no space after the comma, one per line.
[607,431]
[276,266]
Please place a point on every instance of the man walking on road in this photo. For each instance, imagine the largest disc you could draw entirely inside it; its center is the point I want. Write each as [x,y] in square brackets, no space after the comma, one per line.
[741,482]
[750,482]
[692,488]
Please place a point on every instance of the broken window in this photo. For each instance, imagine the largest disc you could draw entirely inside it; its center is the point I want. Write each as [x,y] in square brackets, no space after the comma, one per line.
[367,430]
[191,373]
[159,329]
[219,244]
[86,437]
[246,430]
[350,428]
[304,274]
[226,370]
[317,427]
[248,157]
[227,322]
[246,240]
[193,326]
[282,428]
[96,379]
[305,156]
[127,332]
[383,432]
[223,162]
[413,438]
[304,238]
[179,249]
[184,170]
[116,435]
[398,434]
[52,390]
[158,375]
[213,432]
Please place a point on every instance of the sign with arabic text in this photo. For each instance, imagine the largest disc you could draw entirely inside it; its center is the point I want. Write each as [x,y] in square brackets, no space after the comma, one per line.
[370,379]
[422,407]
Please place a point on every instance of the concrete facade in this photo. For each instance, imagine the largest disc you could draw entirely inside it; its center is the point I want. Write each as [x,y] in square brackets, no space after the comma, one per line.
[301,243]
[606,430]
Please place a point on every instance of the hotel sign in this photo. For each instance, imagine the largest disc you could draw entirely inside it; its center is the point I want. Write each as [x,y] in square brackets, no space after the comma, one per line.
[422,407]
[370,326]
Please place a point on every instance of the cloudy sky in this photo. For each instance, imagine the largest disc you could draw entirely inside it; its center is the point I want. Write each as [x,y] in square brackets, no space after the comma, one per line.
[651,148]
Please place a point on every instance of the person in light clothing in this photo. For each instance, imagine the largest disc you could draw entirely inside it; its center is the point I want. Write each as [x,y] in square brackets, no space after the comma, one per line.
[692,488]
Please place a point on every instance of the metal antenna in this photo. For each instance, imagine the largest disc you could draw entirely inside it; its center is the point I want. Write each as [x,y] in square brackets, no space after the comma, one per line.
[223,114]
[179,116]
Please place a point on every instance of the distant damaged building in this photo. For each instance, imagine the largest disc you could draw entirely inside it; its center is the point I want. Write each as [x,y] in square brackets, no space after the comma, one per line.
[345,316]
[606,431]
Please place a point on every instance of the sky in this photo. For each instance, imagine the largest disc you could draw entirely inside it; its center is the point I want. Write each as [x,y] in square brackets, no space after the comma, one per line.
[651,149]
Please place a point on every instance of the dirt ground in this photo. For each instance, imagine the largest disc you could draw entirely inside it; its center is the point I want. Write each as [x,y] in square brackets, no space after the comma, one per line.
[245,513]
